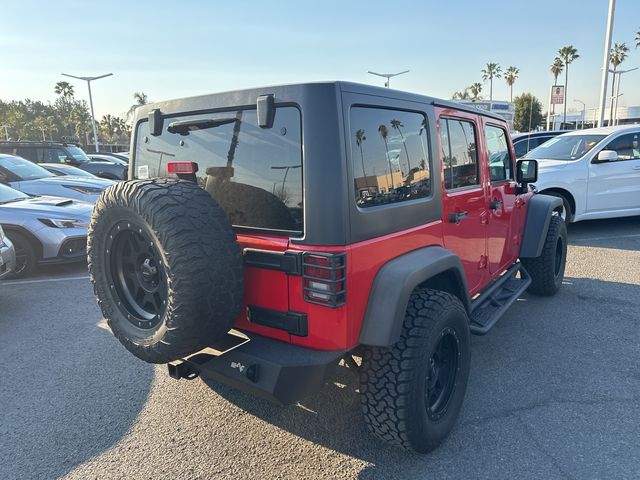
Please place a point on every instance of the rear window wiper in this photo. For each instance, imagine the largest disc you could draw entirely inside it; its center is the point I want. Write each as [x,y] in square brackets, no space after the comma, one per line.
[183,127]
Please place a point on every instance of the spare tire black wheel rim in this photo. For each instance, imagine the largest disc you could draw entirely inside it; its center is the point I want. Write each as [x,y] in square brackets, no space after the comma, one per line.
[442,372]
[138,276]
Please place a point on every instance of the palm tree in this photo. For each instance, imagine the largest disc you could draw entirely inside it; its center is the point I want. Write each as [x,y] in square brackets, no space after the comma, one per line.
[475,89]
[360,138]
[638,39]
[618,55]
[65,89]
[396,125]
[510,76]
[568,54]
[461,95]
[384,133]
[491,71]
[140,99]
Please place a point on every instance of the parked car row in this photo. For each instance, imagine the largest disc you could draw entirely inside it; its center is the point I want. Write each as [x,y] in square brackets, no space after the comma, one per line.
[110,166]
[596,172]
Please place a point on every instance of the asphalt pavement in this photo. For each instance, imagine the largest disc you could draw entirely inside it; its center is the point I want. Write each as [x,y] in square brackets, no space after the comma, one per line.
[554,392]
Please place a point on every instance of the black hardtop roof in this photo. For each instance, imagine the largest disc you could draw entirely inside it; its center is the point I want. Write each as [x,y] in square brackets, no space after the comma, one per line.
[188,103]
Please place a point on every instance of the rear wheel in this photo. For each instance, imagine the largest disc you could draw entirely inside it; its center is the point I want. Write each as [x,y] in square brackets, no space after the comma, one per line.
[26,257]
[166,268]
[412,392]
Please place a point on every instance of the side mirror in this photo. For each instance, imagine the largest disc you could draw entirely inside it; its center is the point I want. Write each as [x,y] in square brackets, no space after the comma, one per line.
[607,156]
[526,171]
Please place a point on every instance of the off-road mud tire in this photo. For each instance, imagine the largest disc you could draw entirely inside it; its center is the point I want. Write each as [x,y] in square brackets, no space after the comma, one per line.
[198,259]
[393,380]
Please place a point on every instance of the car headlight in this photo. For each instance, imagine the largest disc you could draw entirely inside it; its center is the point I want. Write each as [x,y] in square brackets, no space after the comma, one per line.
[63,222]
[83,189]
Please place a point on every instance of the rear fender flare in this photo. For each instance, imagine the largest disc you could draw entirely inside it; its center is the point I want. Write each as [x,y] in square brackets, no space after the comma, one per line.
[394,284]
[539,210]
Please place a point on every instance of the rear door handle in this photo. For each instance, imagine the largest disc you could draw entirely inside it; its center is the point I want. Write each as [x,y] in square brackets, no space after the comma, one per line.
[458,216]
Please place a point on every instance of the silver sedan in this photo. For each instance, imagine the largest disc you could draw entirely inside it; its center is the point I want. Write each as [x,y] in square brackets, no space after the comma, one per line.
[32,179]
[43,229]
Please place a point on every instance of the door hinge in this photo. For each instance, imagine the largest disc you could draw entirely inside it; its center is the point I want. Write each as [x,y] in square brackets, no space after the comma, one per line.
[484,261]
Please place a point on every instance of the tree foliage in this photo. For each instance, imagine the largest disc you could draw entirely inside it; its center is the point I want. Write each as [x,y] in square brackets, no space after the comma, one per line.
[65,117]
[528,114]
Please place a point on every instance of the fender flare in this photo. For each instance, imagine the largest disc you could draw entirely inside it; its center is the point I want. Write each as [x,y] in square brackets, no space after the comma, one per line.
[393,285]
[539,210]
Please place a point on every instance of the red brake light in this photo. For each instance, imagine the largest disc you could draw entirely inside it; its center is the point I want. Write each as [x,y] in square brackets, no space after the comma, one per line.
[180,168]
[324,278]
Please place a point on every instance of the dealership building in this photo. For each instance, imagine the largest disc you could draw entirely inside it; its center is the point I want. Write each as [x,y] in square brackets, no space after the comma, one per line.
[589,118]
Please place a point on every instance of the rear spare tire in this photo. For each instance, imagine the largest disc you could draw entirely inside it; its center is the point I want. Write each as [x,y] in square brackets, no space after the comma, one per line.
[165,267]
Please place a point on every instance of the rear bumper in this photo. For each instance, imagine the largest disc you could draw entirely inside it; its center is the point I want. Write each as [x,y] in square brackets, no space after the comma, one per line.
[262,366]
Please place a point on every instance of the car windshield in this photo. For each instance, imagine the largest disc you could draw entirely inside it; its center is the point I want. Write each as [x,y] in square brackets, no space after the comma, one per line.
[565,147]
[22,169]
[77,153]
[8,194]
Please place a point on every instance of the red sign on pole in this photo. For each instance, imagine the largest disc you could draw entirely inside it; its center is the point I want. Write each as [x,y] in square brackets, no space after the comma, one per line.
[557,95]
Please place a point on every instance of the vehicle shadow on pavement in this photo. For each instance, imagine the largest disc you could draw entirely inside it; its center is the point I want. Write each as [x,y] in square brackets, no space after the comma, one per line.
[613,233]
[539,382]
[89,393]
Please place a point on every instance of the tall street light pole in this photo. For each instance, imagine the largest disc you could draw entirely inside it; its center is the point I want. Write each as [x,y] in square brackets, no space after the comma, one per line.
[584,106]
[605,62]
[614,114]
[387,76]
[93,117]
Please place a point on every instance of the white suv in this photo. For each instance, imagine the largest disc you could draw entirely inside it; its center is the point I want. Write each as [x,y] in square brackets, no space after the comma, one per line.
[596,172]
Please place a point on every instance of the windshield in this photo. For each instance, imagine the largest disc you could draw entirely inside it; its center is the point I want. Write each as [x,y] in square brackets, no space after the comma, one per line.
[565,147]
[17,169]
[255,174]
[8,194]
[77,153]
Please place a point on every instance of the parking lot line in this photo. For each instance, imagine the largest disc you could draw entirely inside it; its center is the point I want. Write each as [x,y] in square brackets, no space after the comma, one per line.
[43,280]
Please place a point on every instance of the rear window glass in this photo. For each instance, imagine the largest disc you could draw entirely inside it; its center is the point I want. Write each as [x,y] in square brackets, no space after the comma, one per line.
[254,173]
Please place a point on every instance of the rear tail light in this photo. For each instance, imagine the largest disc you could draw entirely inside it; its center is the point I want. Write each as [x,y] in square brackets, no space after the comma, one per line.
[323,276]
[183,168]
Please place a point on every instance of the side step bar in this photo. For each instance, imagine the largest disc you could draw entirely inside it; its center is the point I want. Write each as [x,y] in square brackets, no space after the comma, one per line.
[487,309]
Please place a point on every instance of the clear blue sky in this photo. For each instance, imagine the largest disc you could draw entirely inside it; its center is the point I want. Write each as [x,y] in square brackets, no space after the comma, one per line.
[171,49]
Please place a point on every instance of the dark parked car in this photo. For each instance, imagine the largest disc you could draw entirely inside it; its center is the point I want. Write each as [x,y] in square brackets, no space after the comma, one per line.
[64,153]
[109,157]
[524,142]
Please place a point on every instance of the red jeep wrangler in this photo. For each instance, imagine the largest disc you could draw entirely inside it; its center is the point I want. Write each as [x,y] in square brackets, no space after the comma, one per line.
[270,233]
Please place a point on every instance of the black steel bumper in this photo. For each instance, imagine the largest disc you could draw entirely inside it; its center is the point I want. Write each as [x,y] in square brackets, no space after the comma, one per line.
[265,367]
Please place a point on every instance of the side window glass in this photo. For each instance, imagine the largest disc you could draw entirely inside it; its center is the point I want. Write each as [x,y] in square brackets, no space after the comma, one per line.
[500,162]
[389,155]
[26,152]
[521,148]
[627,146]
[460,155]
[54,155]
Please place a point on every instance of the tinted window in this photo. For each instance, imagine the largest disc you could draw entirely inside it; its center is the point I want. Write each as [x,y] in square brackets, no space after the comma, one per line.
[459,153]
[254,173]
[626,146]
[500,162]
[520,147]
[30,153]
[54,155]
[389,156]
